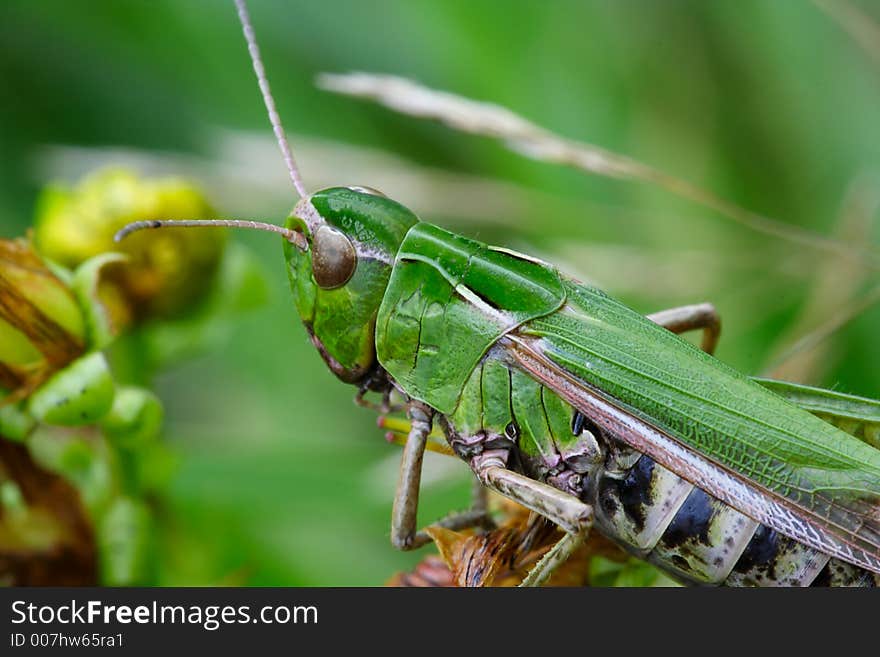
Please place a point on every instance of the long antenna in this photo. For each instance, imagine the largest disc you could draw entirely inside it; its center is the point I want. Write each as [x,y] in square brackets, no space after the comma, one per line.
[292,236]
[263,81]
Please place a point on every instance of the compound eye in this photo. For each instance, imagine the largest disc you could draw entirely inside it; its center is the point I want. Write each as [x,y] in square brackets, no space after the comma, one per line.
[333,258]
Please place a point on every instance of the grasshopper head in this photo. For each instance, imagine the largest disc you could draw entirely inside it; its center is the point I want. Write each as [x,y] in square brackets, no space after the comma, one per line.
[340,245]
[353,235]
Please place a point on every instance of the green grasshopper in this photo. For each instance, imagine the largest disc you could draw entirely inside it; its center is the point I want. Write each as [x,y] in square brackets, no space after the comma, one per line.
[570,403]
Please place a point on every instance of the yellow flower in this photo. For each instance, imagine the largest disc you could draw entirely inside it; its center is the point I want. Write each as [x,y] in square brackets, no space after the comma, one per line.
[167,272]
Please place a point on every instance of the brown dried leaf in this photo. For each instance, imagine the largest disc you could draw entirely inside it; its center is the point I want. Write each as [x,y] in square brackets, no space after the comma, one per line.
[476,560]
[503,556]
[430,572]
[42,322]
[49,541]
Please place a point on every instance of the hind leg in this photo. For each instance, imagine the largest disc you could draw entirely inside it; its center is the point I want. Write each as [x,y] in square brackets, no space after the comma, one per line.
[691,318]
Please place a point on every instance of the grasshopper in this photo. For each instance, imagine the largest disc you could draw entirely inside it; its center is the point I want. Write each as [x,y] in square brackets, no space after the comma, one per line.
[571,404]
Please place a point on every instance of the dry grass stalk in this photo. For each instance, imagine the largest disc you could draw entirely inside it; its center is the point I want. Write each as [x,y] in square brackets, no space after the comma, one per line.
[523,136]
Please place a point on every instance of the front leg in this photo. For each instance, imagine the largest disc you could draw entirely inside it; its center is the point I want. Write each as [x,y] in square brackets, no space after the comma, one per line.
[404,515]
[406,500]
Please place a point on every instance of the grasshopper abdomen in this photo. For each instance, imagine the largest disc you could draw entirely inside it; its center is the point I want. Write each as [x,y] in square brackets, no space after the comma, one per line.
[697,539]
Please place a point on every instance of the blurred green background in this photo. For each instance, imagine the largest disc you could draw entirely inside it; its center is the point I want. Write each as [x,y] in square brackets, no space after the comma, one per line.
[280,479]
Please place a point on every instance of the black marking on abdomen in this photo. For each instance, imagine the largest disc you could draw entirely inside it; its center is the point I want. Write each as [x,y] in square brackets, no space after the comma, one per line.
[761,552]
[762,549]
[823,579]
[692,520]
[841,573]
[634,491]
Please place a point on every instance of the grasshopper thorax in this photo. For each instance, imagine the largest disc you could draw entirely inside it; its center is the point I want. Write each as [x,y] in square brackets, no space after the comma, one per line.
[338,282]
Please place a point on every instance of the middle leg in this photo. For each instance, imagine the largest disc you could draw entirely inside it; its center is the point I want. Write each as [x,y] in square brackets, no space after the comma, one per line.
[564,509]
